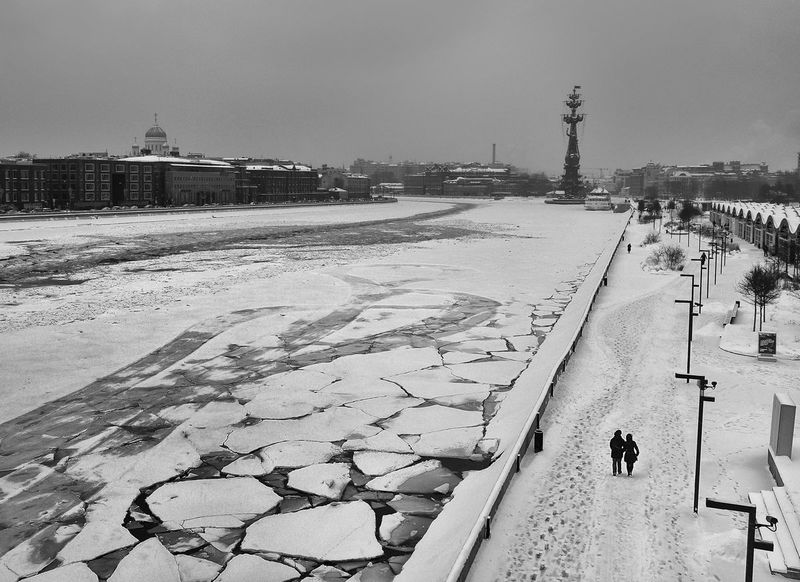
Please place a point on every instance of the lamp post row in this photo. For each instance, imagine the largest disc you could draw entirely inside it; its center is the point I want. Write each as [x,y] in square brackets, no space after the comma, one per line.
[703,384]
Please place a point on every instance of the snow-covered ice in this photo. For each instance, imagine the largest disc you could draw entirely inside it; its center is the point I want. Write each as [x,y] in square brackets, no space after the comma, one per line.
[147,561]
[325,479]
[380,463]
[199,502]
[340,531]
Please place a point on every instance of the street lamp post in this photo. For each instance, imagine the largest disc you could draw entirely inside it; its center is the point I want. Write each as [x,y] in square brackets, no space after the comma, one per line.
[706,255]
[692,315]
[702,261]
[702,383]
[752,526]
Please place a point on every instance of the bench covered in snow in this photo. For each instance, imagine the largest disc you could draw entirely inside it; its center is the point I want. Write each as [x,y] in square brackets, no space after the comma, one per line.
[732,312]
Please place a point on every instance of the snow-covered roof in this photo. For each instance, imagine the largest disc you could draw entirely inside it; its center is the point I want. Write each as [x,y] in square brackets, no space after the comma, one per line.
[599,190]
[175,161]
[778,215]
[277,167]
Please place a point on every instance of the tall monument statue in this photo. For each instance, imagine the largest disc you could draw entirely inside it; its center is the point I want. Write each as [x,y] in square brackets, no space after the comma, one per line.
[571,182]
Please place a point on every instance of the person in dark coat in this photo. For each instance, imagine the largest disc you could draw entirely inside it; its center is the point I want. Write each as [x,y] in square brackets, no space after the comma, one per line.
[617,449]
[629,248]
[631,452]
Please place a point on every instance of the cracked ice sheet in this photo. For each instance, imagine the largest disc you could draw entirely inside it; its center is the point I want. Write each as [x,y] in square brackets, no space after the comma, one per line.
[292,454]
[338,531]
[295,380]
[372,322]
[477,346]
[385,406]
[71,573]
[525,343]
[432,418]
[375,463]
[385,441]
[460,357]
[249,568]
[438,382]
[334,424]
[361,388]
[417,299]
[284,404]
[198,502]
[96,539]
[496,372]
[381,364]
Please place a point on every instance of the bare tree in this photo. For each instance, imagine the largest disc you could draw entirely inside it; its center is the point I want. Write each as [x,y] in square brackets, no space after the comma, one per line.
[761,287]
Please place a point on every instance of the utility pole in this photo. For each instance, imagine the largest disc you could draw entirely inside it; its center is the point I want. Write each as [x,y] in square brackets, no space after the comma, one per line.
[702,383]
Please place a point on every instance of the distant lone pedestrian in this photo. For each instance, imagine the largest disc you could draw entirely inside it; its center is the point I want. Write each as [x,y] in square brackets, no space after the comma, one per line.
[629,248]
[631,452]
[617,449]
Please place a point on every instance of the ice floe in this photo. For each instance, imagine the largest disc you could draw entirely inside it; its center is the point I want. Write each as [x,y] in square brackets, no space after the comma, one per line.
[380,364]
[200,502]
[193,569]
[95,539]
[431,418]
[353,389]
[147,561]
[426,477]
[337,531]
[380,463]
[525,343]
[249,465]
[460,357]
[283,404]
[435,382]
[385,441]
[455,442]
[477,346]
[71,573]
[247,568]
[385,406]
[304,380]
[38,551]
[330,425]
[495,372]
[325,479]
[292,454]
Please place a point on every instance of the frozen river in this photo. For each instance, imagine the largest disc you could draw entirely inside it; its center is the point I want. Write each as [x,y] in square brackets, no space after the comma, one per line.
[295,391]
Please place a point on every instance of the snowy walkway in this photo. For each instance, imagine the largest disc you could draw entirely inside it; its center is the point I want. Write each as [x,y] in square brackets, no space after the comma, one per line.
[566,517]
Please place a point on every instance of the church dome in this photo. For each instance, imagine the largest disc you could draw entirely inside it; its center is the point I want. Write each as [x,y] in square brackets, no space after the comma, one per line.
[156,132]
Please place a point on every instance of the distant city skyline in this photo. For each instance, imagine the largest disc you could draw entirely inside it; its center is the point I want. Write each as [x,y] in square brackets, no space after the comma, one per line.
[326,83]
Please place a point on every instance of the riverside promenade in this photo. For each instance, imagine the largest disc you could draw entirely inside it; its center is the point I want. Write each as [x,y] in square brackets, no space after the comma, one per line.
[565,517]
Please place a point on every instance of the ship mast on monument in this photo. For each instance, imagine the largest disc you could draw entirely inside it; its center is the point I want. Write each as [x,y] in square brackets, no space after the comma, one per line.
[571,182]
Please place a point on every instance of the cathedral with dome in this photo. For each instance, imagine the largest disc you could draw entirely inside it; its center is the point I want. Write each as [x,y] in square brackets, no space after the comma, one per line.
[155,142]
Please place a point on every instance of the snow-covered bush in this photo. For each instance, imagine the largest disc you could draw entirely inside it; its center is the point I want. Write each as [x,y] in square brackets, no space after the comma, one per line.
[651,238]
[667,257]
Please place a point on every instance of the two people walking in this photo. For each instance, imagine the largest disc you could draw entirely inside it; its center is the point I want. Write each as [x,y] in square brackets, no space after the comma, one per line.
[623,448]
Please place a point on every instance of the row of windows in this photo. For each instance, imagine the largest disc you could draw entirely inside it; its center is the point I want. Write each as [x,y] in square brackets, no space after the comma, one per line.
[23,197]
[12,186]
[25,174]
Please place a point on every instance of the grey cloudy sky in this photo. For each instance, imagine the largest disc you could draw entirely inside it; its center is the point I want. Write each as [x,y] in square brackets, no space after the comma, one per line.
[684,81]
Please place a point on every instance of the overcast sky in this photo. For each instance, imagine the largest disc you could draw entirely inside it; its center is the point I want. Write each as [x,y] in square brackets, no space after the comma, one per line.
[684,81]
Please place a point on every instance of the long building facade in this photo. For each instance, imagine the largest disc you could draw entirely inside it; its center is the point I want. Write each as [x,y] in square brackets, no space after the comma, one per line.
[775,228]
